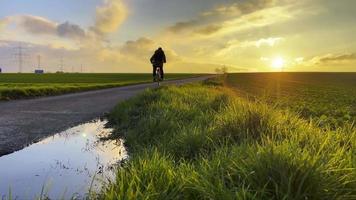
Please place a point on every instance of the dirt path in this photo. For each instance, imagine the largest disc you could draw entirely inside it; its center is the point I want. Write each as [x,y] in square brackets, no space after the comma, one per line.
[23,122]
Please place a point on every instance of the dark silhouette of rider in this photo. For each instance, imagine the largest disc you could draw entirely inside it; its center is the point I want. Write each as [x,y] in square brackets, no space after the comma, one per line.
[157,60]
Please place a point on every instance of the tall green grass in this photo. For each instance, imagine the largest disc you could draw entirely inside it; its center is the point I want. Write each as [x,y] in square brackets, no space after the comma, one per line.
[204,142]
[15,92]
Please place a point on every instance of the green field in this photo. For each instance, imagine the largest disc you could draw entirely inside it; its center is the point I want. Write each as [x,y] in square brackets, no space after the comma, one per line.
[207,141]
[329,98]
[16,86]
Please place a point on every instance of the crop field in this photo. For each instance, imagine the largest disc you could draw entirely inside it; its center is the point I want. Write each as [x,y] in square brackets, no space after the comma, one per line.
[329,98]
[16,86]
[207,141]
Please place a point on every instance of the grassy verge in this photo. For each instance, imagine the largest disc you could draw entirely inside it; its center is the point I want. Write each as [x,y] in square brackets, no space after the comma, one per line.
[17,86]
[204,142]
[50,89]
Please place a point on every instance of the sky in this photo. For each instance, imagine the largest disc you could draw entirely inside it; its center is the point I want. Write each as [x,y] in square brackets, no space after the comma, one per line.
[198,36]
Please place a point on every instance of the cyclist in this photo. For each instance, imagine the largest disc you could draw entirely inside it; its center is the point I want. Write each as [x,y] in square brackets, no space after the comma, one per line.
[157,60]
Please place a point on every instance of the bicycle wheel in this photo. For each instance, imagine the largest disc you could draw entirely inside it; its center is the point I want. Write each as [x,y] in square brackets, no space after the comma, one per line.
[158,76]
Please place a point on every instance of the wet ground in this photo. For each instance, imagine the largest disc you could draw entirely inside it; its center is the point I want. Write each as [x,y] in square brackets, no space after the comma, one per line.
[67,164]
[23,122]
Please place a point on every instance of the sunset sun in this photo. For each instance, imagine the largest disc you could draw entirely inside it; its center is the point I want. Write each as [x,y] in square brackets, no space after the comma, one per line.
[278,63]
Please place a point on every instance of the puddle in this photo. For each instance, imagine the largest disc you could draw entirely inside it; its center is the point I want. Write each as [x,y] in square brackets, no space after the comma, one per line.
[63,165]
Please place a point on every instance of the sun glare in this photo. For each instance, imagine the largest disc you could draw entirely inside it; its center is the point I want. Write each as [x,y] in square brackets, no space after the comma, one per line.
[278,63]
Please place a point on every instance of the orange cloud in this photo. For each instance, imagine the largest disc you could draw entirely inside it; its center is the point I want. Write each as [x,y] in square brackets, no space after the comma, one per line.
[240,8]
[110,16]
[182,26]
[268,41]
[231,46]
[236,17]
[210,29]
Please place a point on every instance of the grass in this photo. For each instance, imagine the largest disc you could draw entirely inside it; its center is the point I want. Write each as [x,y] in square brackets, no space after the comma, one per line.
[17,86]
[329,98]
[203,141]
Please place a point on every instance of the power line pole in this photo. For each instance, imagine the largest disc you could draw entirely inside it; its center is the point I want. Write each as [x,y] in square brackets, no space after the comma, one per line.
[39,61]
[20,55]
[81,68]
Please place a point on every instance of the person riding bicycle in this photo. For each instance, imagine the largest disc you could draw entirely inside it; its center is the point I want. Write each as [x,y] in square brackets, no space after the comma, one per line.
[157,60]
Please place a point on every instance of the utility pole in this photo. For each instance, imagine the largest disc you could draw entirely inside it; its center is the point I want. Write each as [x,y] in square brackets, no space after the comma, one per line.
[38,61]
[81,68]
[20,55]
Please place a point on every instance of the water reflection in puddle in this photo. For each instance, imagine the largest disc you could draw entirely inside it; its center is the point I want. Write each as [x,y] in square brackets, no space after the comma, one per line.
[65,164]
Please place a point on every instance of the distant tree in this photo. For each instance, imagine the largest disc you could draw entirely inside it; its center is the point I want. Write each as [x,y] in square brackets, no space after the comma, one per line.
[222,70]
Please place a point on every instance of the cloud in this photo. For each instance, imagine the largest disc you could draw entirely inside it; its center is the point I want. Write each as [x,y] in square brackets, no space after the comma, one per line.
[108,19]
[110,16]
[268,42]
[299,59]
[69,30]
[333,59]
[37,25]
[322,62]
[138,49]
[232,45]
[237,16]
[240,8]
[142,49]
[339,57]
[134,55]
[257,19]
[181,26]
[210,29]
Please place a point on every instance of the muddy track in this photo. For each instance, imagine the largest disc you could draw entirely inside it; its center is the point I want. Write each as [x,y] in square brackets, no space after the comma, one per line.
[23,122]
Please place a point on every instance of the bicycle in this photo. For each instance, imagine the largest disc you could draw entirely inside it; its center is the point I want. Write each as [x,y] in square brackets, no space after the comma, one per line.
[158,76]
